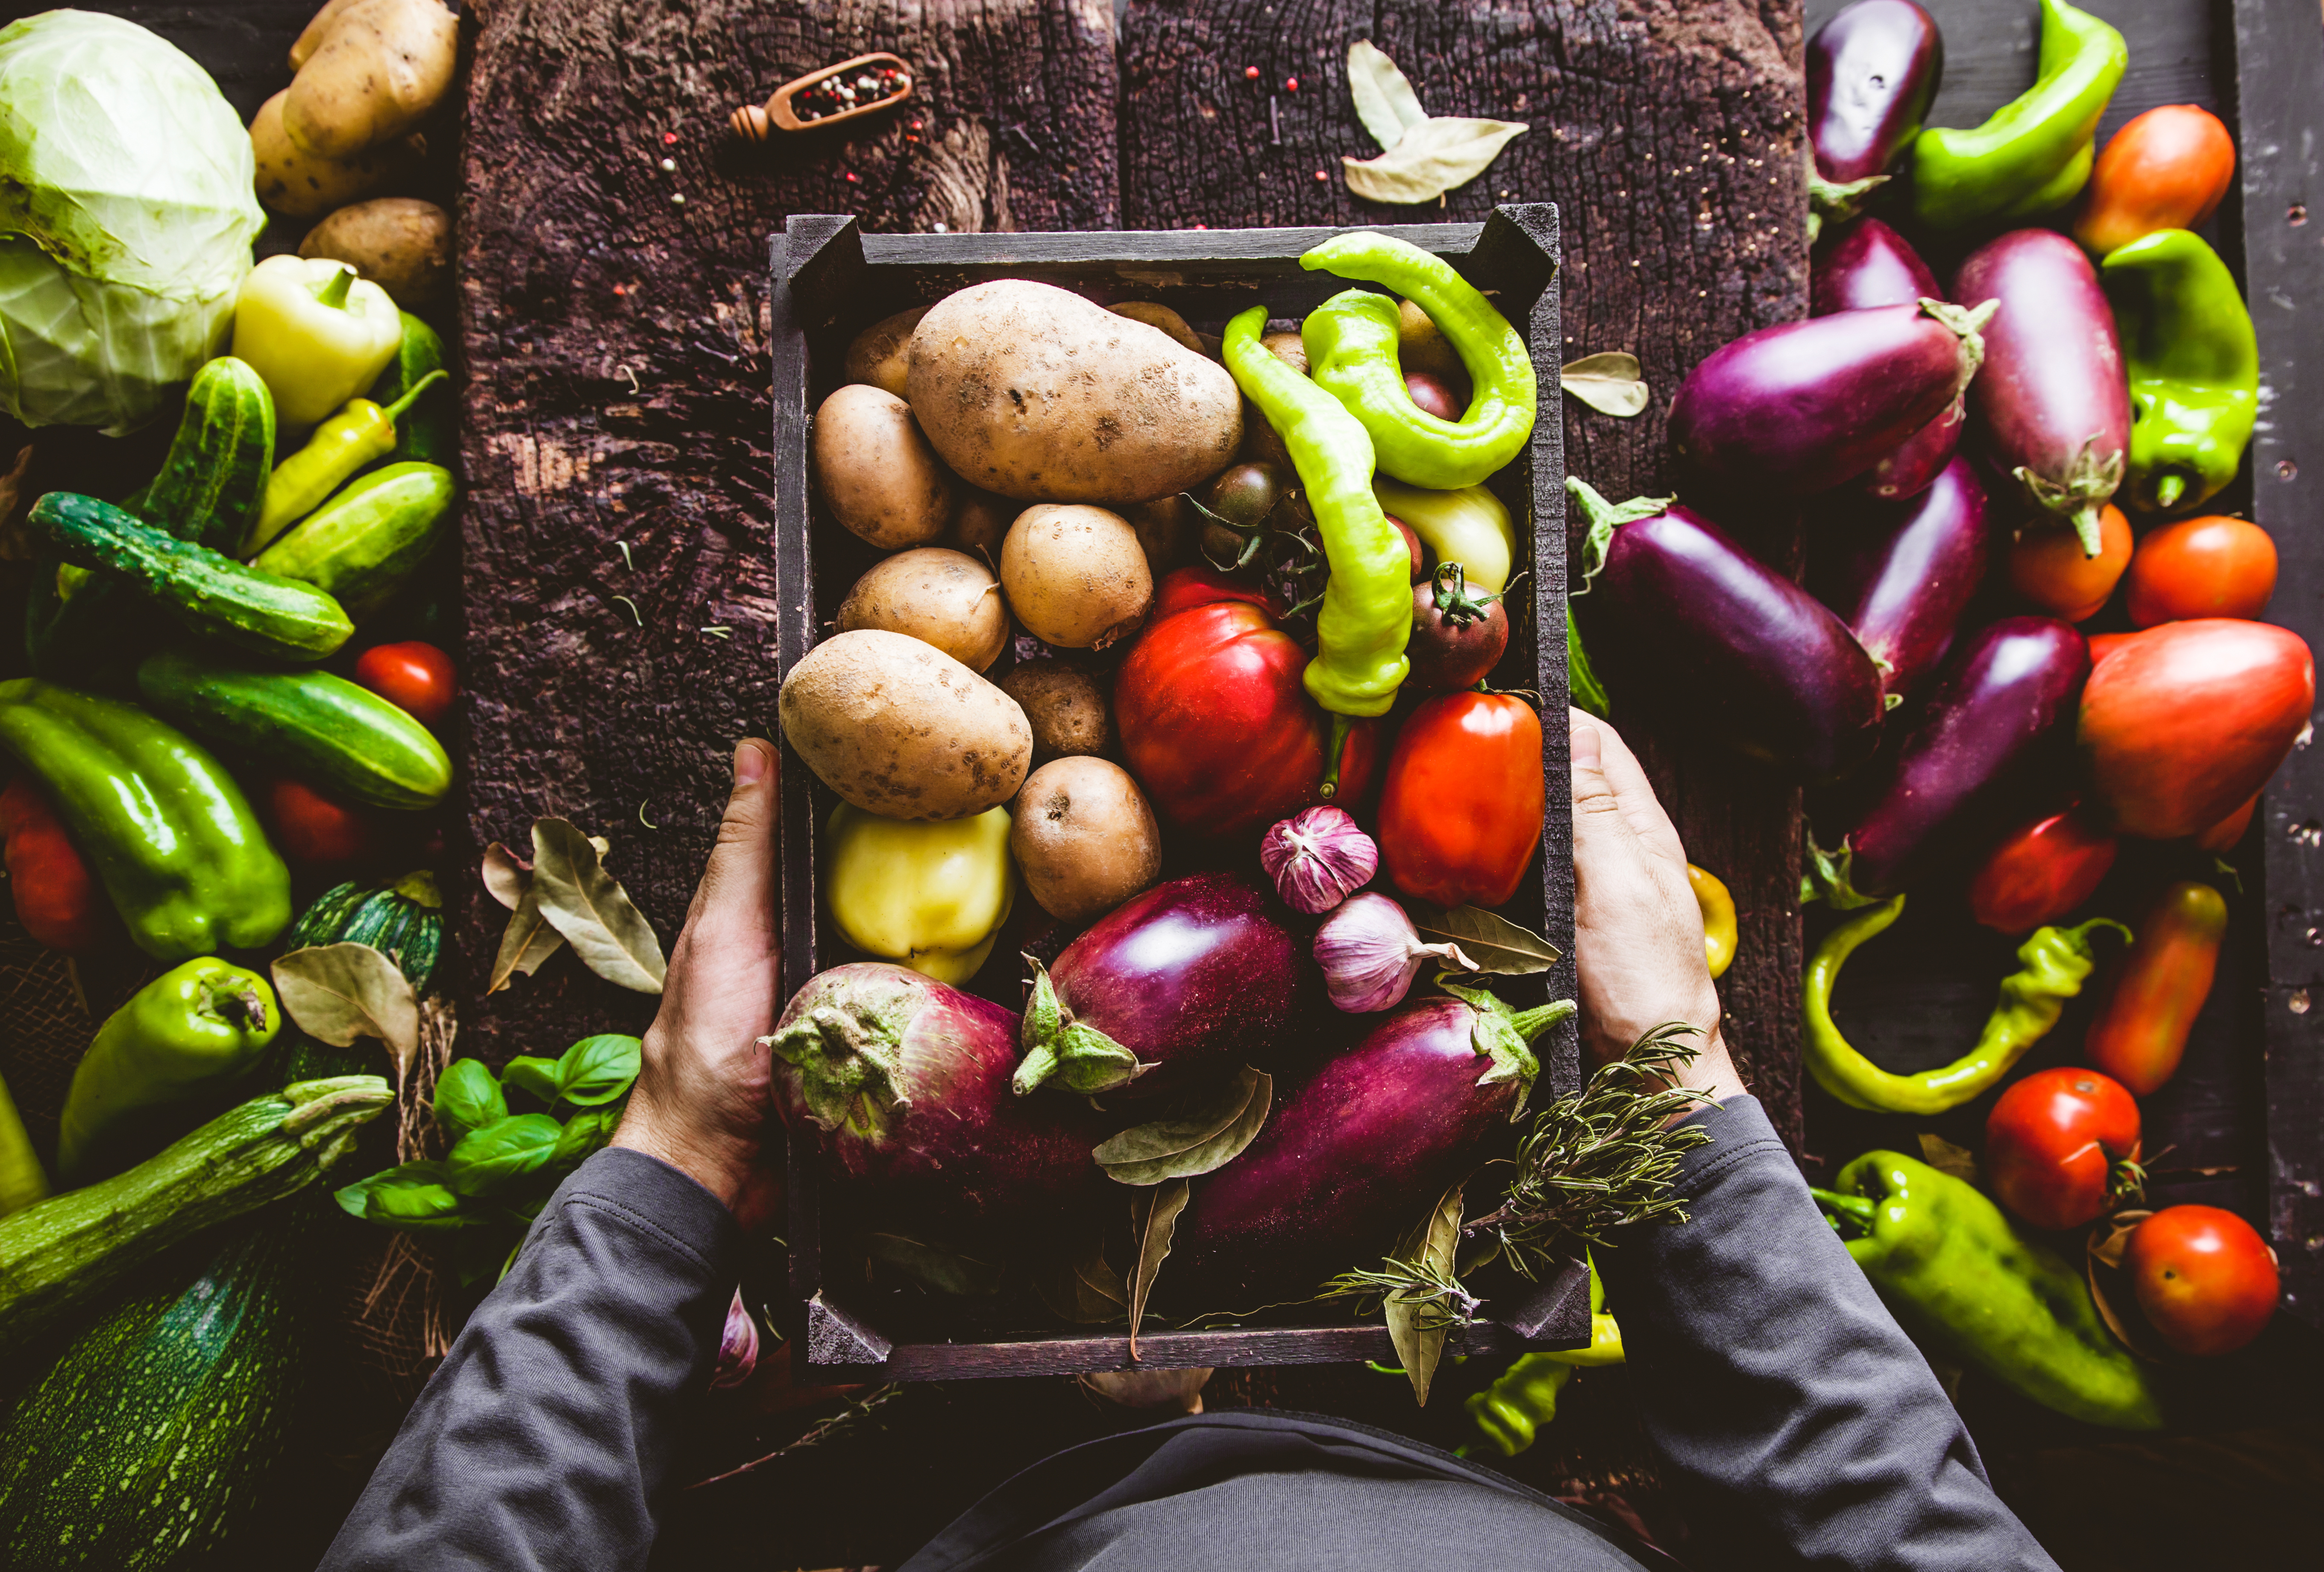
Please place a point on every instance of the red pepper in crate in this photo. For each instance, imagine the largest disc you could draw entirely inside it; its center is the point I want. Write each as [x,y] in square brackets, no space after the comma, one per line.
[2040,872]
[57,898]
[1461,810]
[2151,1003]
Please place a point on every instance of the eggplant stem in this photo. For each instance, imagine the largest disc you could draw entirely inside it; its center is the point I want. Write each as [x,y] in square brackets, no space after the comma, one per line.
[1531,1023]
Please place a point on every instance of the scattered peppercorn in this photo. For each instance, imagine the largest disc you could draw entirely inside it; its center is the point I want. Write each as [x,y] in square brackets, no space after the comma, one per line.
[1291,84]
[1320,175]
[842,91]
[1251,73]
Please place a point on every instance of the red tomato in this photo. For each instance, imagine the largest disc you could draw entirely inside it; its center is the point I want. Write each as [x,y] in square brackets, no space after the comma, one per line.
[2105,644]
[2201,568]
[1461,811]
[58,899]
[2222,836]
[2166,168]
[1218,727]
[1184,589]
[2047,568]
[311,828]
[2205,1278]
[2181,723]
[2040,873]
[2052,1143]
[415,677]
[1424,561]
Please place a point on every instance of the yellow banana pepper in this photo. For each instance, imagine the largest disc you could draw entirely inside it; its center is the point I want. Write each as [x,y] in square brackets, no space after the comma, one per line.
[930,895]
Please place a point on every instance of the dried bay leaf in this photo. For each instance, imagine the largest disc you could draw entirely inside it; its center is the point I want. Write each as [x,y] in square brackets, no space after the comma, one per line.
[340,992]
[1082,1288]
[506,876]
[1417,1329]
[1385,101]
[1431,158]
[1946,1158]
[1491,943]
[1609,383]
[589,908]
[930,1266]
[526,943]
[1153,1221]
[1195,1141]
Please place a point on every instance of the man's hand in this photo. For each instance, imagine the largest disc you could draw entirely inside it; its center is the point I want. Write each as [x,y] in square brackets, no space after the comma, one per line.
[1638,927]
[701,1104]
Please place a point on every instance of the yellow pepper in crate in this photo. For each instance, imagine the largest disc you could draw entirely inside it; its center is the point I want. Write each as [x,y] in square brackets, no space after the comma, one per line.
[930,895]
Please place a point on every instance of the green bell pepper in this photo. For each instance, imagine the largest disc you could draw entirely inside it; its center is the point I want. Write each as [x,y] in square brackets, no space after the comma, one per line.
[1962,1278]
[2193,361]
[174,840]
[2034,154]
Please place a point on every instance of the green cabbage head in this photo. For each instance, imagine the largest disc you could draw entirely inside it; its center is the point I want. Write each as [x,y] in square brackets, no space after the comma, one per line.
[127,209]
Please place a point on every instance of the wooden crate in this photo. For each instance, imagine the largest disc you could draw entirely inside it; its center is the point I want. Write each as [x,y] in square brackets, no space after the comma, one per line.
[830,281]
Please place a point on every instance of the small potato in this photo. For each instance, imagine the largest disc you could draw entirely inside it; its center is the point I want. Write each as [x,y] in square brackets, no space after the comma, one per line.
[383,65]
[1084,838]
[303,186]
[1290,349]
[903,730]
[874,470]
[1075,577]
[400,244]
[882,352]
[939,597]
[1421,347]
[1167,530]
[1065,705]
[979,522]
[1156,315]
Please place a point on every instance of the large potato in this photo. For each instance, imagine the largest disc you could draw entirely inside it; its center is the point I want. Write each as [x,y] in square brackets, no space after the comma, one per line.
[296,182]
[402,243]
[874,470]
[1154,313]
[1084,838]
[882,352]
[1034,393]
[1075,577]
[378,71]
[944,598]
[901,729]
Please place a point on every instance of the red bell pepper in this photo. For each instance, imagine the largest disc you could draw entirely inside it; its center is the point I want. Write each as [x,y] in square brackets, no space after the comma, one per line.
[2150,1004]
[2040,872]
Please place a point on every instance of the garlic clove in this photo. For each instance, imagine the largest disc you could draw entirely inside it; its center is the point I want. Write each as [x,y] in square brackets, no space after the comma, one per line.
[1370,952]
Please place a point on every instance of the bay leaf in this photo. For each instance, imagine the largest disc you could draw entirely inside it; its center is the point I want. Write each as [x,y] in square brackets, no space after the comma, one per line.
[1491,942]
[1385,101]
[1192,1143]
[1946,1158]
[930,1266]
[526,943]
[1609,383]
[1153,1221]
[1082,1288]
[589,908]
[506,876]
[338,993]
[1431,159]
[1418,1329]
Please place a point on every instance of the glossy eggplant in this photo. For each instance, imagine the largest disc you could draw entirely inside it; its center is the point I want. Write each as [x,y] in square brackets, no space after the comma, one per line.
[1871,264]
[2051,407]
[1801,407]
[1355,1155]
[1173,992]
[1872,70]
[902,1083]
[1684,619]
[1901,575]
[1997,732]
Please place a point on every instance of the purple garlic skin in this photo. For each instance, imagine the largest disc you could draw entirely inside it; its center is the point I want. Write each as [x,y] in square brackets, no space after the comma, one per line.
[1370,953]
[1318,858]
[738,1347]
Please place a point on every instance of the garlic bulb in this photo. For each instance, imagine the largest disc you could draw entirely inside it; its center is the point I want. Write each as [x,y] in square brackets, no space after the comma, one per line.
[1317,858]
[1370,952]
[738,1348]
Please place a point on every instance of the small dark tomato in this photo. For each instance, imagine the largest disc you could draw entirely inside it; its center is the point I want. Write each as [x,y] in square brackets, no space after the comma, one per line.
[1458,633]
[1424,561]
[1437,395]
[417,678]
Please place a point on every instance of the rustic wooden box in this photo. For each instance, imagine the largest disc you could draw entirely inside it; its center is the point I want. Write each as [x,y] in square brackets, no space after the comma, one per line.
[830,281]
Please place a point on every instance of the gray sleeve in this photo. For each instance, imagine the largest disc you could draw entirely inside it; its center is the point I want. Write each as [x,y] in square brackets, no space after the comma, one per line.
[542,1441]
[1799,1418]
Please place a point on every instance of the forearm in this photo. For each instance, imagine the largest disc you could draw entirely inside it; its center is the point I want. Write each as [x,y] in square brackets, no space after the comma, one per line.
[1780,1389]
[544,1439]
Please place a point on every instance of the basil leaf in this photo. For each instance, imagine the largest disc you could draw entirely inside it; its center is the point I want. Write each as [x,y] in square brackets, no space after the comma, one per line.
[467,1098]
[597,1070]
[584,1133]
[412,1197]
[530,1073]
[352,1197]
[503,1153]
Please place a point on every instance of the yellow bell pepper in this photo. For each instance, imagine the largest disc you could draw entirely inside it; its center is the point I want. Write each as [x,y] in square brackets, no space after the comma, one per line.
[930,895]
[1470,527]
[317,334]
[1718,918]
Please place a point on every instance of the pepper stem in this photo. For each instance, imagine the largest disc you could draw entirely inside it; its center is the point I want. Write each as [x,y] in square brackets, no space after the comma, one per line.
[1330,787]
[411,395]
[335,293]
[1856,1208]
[2169,490]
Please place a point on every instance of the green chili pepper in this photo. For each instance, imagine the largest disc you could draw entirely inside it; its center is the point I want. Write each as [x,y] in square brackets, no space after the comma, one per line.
[1352,353]
[1582,685]
[1523,1398]
[360,434]
[171,837]
[2034,154]
[431,436]
[2194,361]
[1959,1276]
[1367,613]
[183,1032]
[2055,962]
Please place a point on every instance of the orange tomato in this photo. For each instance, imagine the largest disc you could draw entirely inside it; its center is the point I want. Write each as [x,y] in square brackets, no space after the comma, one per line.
[2105,644]
[2047,568]
[2166,169]
[2201,568]
[2205,1278]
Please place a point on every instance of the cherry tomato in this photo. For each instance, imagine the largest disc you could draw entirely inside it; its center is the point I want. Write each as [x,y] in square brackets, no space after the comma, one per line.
[2205,1278]
[2053,1142]
[2150,1004]
[310,827]
[1458,633]
[1183,589]
[2201,567]
[1461,810]
[2047,568]
[2040,872]
[415,677]
[2166,168]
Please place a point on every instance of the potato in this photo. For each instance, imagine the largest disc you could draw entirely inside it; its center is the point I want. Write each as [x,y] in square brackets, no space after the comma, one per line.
[1075,577]
[1156,315]
[400,244]
[302,184]
[979,522]
[1065,705]
[1084,838]
[939,597]
[1168,528]
[379,71]
[874,470]
[319,27]
[1421,347]
[1290,349]
[882,352]
[901,729]
[1034,393]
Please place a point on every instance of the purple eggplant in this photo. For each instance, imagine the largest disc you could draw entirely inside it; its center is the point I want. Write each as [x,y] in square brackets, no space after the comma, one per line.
[2051,406]
[1353,1156]
[903,1083]
[1871,264]
[1801,407]
[1997,726]
[1172,993]
[1873,70]
[1900,575]
[1691,623]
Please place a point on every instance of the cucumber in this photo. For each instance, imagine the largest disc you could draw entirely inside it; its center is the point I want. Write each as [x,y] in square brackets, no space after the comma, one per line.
[404,921]
[321,728]
[367,541]
[428,433]
[205,591]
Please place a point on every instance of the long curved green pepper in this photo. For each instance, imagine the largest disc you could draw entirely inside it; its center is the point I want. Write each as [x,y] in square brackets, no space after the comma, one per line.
[1367,613]
[1351,352]
[2034,154]
[2194,361]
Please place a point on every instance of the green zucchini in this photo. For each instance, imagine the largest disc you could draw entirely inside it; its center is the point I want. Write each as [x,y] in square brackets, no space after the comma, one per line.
[428,433]
[404,921]
[59,1257]
[205,591]
[367,541]
[317,726]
